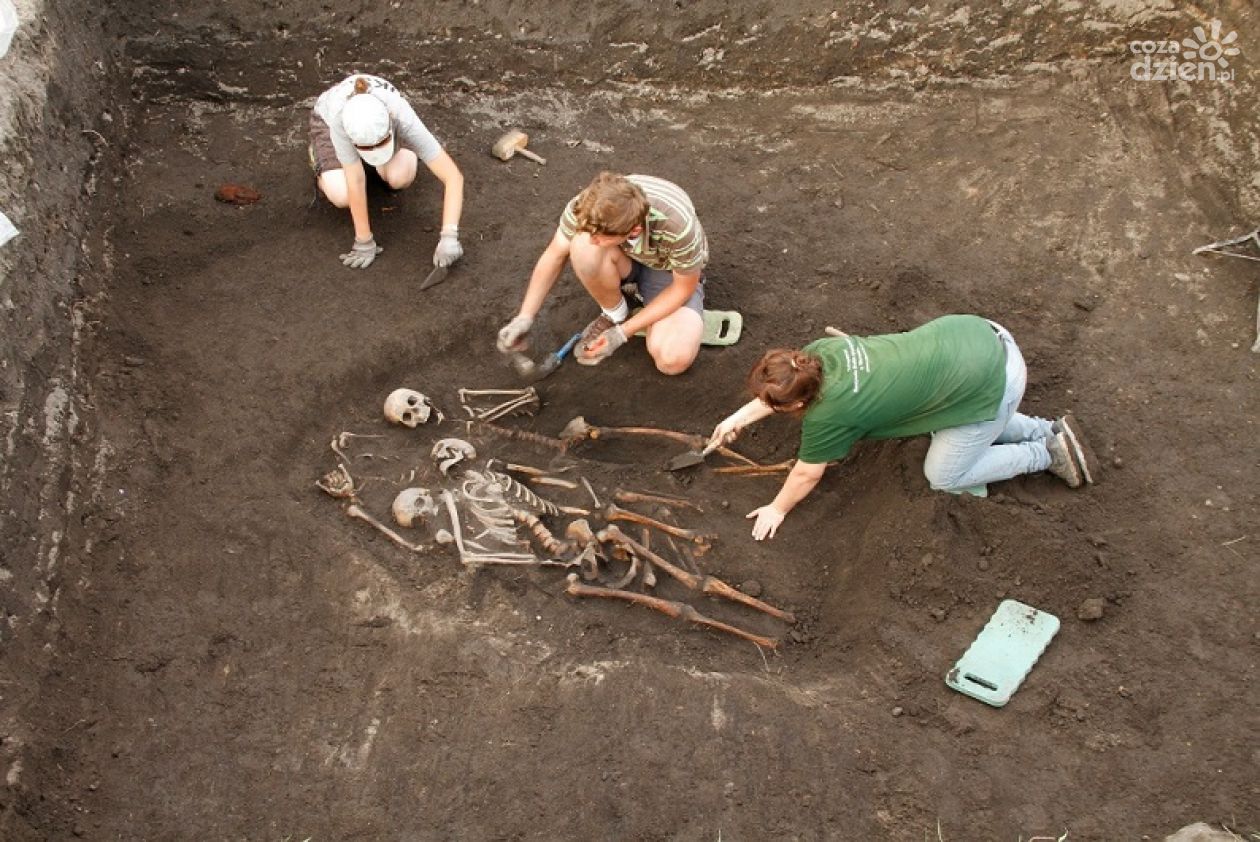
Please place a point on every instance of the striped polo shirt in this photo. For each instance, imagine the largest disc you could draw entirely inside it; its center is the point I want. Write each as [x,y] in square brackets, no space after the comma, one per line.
[672,239]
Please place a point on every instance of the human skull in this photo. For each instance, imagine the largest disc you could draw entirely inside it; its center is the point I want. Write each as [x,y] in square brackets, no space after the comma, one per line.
[411,505]
[449,452]
[410,408]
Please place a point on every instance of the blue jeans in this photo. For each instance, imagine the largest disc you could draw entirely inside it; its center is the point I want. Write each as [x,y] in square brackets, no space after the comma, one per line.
[989,451]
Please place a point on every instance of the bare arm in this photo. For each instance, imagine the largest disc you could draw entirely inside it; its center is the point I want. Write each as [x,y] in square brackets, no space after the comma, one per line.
[546,271]
[731,426]
[356,192]
[444,168]
[799,483]
[670,299]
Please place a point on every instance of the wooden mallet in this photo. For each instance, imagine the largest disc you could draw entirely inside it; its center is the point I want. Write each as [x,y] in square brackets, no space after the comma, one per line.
[512,143]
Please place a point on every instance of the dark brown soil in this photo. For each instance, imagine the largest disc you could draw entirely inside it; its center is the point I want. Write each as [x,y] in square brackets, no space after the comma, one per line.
[237,659]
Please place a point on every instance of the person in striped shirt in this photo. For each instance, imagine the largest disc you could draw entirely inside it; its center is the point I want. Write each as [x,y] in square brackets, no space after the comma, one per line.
[626,229]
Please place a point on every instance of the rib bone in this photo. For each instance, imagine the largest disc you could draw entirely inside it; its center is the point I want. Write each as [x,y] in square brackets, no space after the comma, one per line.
[703,583]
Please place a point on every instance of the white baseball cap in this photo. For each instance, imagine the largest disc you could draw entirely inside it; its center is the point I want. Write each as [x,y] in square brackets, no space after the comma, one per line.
[366,121]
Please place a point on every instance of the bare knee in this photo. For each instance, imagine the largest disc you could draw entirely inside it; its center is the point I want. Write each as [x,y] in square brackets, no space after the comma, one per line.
[333,185]
[397,179]
[672,361]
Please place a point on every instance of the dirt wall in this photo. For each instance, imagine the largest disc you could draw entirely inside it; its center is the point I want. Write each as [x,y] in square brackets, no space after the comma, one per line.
[54,129]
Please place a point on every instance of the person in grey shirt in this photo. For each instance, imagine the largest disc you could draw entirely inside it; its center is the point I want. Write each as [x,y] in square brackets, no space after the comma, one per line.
[365,120]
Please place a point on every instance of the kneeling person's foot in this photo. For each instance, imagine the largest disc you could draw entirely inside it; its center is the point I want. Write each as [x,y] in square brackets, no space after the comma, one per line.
[1063,463]
[1070,428]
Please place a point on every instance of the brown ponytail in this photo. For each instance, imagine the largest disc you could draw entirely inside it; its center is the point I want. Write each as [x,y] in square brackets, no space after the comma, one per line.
[360,85]
[786,380]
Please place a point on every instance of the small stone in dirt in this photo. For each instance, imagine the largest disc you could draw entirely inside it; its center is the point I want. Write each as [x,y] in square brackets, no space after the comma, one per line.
[983,564]
[751,587]
[726,504]
[897,711]
[133,361]
[1091,609]
[1117,462]
[938,614]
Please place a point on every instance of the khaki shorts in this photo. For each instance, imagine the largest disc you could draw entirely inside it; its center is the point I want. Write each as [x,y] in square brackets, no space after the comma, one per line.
[323,153]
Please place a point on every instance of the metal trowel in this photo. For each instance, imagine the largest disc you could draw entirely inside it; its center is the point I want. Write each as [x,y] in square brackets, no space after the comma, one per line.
[435,277]
[691,457]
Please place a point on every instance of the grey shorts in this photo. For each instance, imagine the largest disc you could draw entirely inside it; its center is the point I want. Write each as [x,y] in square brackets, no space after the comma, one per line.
[652,282]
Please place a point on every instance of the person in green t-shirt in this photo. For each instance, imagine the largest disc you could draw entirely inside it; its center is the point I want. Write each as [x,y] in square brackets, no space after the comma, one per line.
[959,378]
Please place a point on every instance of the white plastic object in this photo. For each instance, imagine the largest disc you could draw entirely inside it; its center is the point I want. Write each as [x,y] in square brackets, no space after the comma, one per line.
[7,229]
[8,24]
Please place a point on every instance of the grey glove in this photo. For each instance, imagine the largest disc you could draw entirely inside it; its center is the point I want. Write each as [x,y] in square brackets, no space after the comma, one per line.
[512,335]
[448,248]
[363,253]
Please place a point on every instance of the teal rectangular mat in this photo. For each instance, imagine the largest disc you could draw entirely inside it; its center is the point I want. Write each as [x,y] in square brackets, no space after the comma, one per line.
[994,666]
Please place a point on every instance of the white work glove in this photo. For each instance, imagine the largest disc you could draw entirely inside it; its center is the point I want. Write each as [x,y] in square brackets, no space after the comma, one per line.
[363,253]
[448,248]
[602,346]
[728,429]
[512,336]
[768,520]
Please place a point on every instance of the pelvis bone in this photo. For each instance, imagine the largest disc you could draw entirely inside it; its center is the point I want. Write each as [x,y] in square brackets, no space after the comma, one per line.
[410,408]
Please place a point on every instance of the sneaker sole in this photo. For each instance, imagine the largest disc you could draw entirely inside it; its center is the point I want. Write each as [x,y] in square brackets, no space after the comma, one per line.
[1085,460]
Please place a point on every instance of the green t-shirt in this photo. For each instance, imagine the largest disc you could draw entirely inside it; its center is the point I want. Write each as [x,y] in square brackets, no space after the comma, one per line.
[946,373]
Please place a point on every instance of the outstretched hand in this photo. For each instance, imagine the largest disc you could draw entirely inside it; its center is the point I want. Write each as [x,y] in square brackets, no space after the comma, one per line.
[362,254]
[768,520]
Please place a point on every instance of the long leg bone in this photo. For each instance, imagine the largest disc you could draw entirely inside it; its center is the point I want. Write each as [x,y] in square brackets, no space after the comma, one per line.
[357,512]
[756,470]
[641,497]
[614,512]
[677,610]
[578,430]
[704,583]
[554,482]
[682,553]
